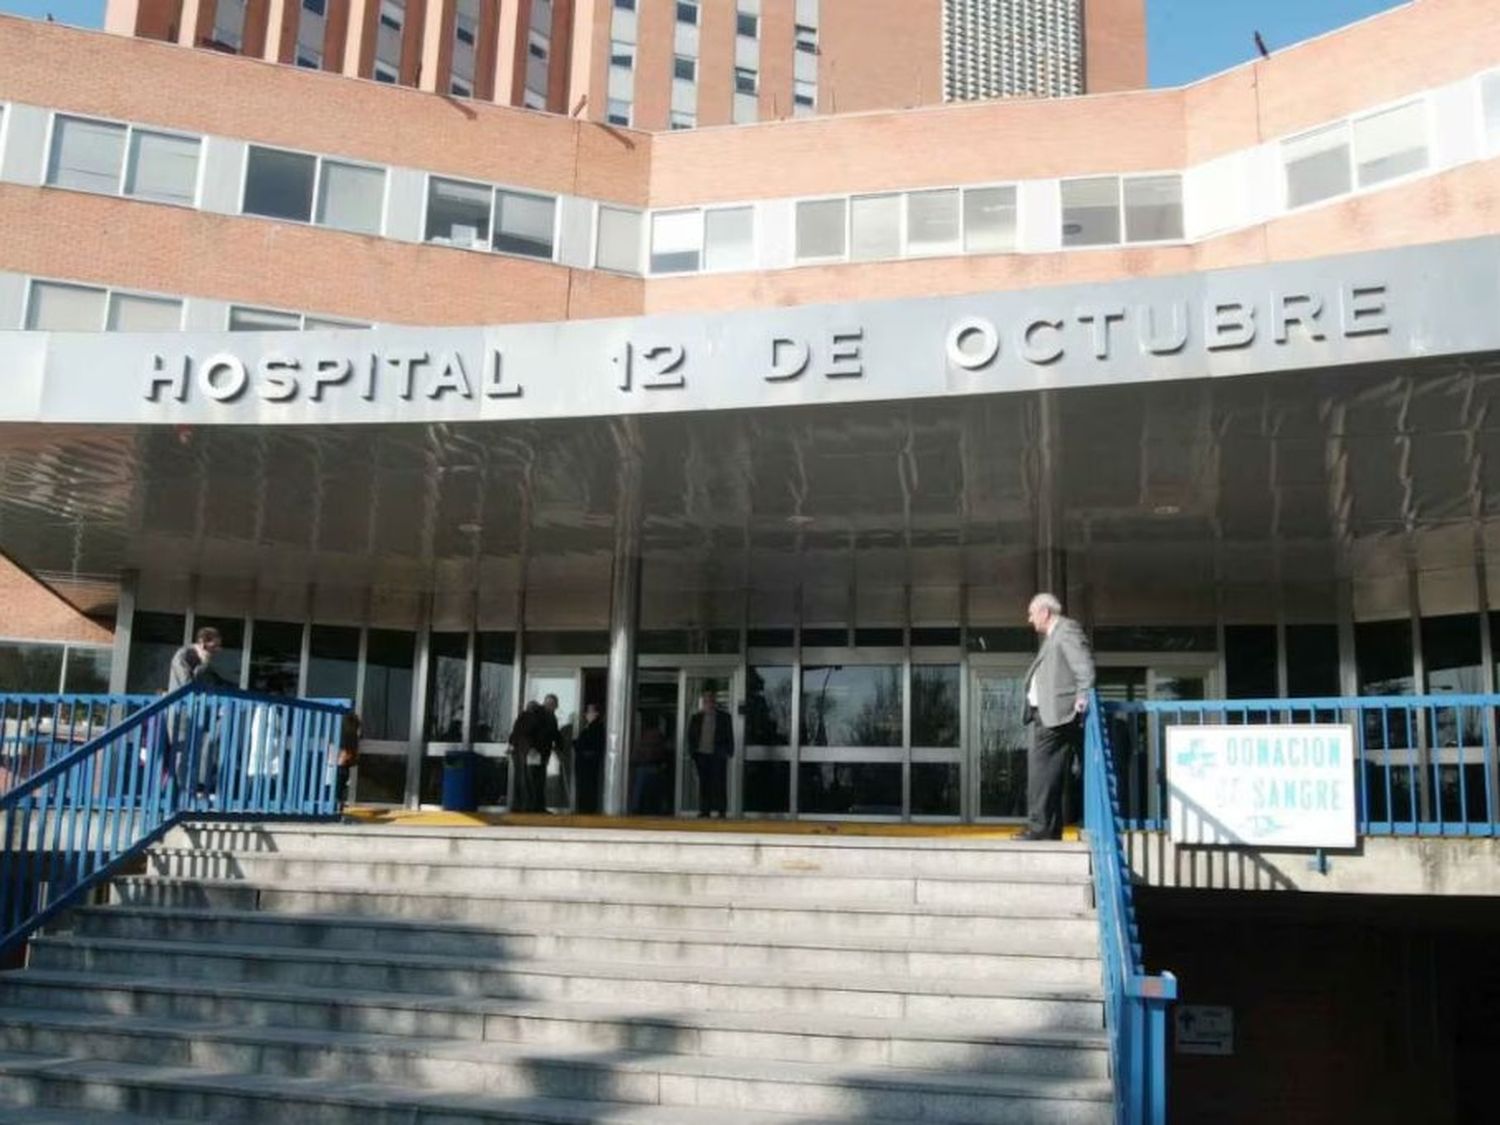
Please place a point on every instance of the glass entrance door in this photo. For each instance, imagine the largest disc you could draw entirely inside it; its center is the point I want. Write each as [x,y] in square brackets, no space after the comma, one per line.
[998,741]
[694,683]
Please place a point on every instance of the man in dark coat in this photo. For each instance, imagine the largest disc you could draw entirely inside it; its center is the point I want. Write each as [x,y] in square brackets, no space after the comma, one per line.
[710,739]
[588,759]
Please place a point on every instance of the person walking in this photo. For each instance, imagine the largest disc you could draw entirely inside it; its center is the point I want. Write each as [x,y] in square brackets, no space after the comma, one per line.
[1057,696]
[710,739]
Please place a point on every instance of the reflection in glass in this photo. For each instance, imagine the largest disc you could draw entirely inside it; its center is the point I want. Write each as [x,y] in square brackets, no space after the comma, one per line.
[389,658]
[851,705]
[381,779]
[446,662]
[1452,657]
[935,789]
[88,669]
[494,668]
[849,788]
[1312,661]
[154,637]
[653,764]
[31,667]
[333,663]
[934,705]
[1002,742]
[492,778]
[768,787]
[768,706]
[275,657]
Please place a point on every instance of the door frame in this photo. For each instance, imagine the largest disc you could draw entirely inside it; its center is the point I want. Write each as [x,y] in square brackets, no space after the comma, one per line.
[730,666]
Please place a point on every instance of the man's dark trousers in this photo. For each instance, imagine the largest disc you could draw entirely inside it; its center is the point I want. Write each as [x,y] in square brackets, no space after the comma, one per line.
[1047,766]
[713,783]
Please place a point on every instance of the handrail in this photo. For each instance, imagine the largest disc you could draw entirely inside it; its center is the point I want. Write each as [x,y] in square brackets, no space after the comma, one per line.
[1135,1003]
[35,727]
[1426,765]
[201,752]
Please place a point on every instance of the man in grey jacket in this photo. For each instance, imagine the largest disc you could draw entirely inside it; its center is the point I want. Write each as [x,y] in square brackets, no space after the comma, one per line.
[1057,695]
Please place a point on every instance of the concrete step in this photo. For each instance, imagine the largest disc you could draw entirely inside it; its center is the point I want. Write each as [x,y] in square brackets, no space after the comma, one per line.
[1008,952]
[1033,892]
[61,1081]
[636,1077]
[1009,1003]
[507,846]
[944,1043]
[643,911]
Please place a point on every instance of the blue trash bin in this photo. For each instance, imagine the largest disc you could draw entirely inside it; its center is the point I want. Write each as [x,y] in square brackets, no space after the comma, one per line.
[458,781]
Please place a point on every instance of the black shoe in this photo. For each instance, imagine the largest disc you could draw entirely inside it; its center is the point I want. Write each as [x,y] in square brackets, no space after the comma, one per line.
[1032,837]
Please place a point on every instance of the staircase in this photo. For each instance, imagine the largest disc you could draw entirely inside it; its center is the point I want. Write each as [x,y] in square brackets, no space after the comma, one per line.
[392,976]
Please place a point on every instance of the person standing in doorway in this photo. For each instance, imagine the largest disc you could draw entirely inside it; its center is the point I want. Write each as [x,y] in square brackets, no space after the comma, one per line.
[1057,696]
[588,759]
[710,739]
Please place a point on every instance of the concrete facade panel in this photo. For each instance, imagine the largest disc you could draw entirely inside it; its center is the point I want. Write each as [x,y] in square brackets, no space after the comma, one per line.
[222,175]
[12,299]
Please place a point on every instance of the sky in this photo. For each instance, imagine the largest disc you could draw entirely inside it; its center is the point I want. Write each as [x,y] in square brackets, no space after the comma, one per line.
[1187,38]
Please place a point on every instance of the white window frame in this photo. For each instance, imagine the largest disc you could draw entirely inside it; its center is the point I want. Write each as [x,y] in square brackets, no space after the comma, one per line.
[489,230]
[123,176]
[650,231]
[109,291]
[798,201]
[954,249]
[1120,179]
[317,186]
[642,242]
[702,214]
[1482,142]
[1428,136]
[301,318]
[1346,126]
[963,223]
[1125,177]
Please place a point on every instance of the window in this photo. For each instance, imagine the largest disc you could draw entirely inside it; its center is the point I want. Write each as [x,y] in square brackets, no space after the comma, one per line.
[279,185]
[932,222]
[86,154]
[460,87]
[162,167]
[852,705]
[687,12]
[1391,143]
[1091,211]
[384,72]
[316,323]
[807,39]
[746,109]
[464,34]
[618,112]
[458,214]
[619,242]
[541,16]
[989,220]
[625,5]
[392,14]
[676,237]
[621,54]
[351,197]
[316,7]
[747,24]
[1153,208]
[1489,97]
[55,307]
[1317,165]
[523,223]
[729,238]
[820,229]
[681,119]
[684,68]
[242,318]
[804,96]
[309,60]
[390,657]
[537,50]
[875,222]
[745,80]
[129,312]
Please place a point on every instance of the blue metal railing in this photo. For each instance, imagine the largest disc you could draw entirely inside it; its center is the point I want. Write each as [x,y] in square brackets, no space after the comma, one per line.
[1135,1004]
[198,753]
[36,730]
[1425,765]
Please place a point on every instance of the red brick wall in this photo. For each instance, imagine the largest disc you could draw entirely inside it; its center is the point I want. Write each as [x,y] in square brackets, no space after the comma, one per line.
[33,612]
